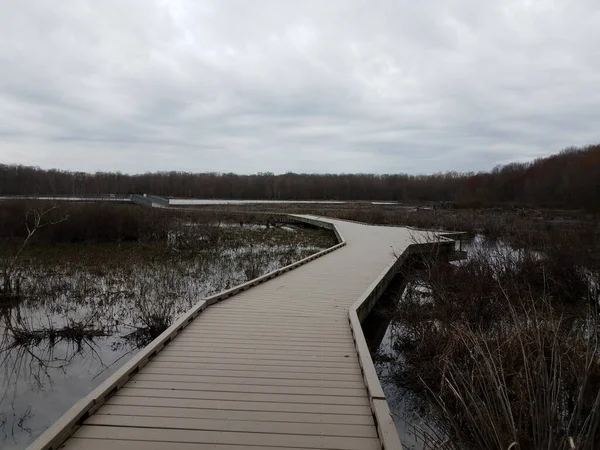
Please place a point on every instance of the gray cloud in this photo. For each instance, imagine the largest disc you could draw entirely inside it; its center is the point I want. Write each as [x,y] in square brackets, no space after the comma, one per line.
[314,86]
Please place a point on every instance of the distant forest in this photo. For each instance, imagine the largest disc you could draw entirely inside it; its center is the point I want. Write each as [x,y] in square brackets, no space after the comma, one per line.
[570,179]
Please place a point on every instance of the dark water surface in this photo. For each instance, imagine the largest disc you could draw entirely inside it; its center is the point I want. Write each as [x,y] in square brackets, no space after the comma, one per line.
[41,382]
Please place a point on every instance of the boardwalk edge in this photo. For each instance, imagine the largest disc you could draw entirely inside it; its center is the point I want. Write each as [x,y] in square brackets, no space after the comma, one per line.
[357,313]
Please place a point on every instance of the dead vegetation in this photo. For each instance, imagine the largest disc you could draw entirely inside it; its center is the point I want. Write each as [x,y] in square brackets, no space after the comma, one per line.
[501,351]
[35,220]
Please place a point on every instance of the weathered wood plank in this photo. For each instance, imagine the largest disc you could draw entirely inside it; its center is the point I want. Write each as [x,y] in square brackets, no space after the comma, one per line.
[236,426]
[289,341]
[217,437]
[234,347]
[254,373]
[233,366]
[240,361]
[228,414]
[239,405]
[117,444]
[257,381]
[347,358]
[176,385]
[132,391]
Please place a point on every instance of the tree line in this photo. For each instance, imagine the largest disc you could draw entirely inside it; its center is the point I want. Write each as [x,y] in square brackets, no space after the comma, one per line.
[569,179]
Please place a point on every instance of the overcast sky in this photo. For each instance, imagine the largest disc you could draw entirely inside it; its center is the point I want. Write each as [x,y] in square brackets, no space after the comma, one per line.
[379,86]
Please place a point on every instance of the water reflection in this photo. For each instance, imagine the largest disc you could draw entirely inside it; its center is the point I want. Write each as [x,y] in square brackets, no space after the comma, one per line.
[42,379]
[379,332]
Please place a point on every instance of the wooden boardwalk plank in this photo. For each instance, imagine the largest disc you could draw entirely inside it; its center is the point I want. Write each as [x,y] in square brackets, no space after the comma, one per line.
[246,381]
[176,385]
[118,444]
[289,341]
[276,369]
[272,348]
[216,437]
[304,336]
[228,414]
[257,361]
[237,426]
[132,391]
[251,373]
[191,354]
[240,405]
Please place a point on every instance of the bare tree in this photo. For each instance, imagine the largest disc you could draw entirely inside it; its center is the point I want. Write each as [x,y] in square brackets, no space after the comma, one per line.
[34,220]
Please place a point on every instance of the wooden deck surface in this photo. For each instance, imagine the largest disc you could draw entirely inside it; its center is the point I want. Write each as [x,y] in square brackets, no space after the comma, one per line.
[274,367]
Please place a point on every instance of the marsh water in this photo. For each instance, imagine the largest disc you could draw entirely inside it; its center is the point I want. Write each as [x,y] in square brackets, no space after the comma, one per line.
[85,309]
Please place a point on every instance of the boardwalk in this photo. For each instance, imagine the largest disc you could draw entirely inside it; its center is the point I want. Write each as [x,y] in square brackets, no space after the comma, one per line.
[273,367]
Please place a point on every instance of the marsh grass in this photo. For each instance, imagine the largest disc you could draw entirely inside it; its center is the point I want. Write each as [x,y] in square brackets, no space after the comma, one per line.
[501,351]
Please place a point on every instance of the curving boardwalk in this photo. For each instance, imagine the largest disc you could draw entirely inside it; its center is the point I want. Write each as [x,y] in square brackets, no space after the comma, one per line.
[277,366]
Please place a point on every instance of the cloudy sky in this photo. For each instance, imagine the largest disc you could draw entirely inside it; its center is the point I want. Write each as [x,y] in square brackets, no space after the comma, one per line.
[309,86]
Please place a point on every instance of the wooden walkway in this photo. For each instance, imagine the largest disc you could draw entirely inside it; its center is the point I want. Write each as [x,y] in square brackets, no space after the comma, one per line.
[277,366]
